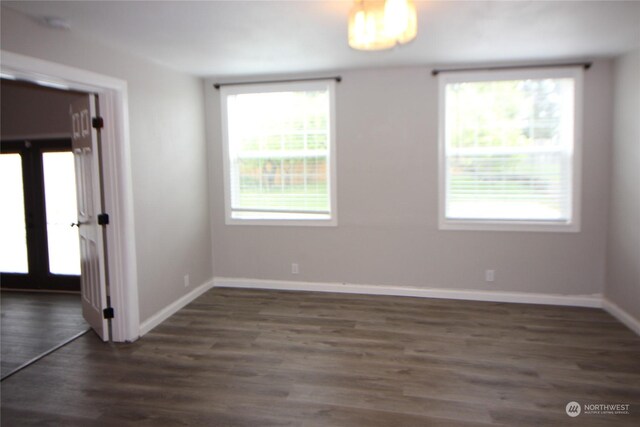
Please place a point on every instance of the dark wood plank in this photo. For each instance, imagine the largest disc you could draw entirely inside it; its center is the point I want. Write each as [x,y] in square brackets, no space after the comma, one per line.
[243,357]
[34,322]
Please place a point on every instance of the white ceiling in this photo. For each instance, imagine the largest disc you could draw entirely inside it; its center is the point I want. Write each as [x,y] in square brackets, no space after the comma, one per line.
[225,38]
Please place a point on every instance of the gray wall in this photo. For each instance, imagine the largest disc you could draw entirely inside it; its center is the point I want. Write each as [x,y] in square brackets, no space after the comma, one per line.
[387,188]
[168,155]
[34,111]
[387,234]
[623,257]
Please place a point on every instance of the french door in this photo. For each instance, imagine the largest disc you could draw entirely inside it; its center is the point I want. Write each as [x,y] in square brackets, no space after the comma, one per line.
[39,248]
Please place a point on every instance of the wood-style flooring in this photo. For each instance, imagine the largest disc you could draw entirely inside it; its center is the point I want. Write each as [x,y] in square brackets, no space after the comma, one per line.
[242,357]
[34,322]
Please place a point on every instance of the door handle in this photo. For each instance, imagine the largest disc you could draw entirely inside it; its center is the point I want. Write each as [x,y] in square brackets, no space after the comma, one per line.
[77,224]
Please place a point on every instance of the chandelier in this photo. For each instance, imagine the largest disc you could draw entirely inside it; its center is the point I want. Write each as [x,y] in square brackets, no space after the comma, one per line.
[381,24]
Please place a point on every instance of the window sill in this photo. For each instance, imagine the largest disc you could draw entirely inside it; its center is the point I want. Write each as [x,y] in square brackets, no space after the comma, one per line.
[495,225]
[330,222]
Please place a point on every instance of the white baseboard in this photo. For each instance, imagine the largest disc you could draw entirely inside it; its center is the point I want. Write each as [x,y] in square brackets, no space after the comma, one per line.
[624,317]
[596,300]
[462,294]
[172,308]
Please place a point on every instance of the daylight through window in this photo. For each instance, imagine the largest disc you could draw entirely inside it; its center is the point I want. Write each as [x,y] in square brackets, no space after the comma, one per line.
[509,149]
[279,152]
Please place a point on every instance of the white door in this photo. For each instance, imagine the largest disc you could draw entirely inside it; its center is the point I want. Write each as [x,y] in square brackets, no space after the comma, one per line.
[88,181]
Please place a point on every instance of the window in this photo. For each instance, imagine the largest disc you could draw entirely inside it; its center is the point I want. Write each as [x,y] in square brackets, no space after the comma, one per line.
[510,150]
[279,149]
[13,245]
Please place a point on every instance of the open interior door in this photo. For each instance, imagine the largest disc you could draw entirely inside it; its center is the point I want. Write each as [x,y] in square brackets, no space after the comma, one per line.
[86,152]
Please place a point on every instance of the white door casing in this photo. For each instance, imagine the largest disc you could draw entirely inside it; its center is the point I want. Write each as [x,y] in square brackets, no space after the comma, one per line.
[116,162]
[89,192]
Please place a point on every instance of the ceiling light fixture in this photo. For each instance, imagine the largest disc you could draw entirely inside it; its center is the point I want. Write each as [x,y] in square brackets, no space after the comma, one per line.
[381,24]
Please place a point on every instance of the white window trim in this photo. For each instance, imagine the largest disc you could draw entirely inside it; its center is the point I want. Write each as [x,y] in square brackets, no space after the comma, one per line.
[573,225]
[226,91]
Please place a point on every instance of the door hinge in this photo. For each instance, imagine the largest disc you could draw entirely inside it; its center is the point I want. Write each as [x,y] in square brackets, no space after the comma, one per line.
[103,219]
[108,313]
[97,122]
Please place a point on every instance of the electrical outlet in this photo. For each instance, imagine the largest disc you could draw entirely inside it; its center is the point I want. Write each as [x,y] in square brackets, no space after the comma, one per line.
[186,280]
[489,275]
[295,269]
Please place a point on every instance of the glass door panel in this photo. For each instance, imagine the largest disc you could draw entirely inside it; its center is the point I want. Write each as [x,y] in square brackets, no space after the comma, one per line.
[13,230]
[61,209]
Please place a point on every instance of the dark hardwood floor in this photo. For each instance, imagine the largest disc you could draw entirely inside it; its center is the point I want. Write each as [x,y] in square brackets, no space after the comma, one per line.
[34,322]
[240,357]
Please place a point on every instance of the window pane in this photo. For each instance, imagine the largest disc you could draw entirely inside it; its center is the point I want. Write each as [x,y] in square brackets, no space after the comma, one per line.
[60,202]
[509,147]
[506,186]
[279,153]
[13,244]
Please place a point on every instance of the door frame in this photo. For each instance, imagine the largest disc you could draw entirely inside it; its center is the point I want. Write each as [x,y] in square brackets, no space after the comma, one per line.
[116,167]
[38,276]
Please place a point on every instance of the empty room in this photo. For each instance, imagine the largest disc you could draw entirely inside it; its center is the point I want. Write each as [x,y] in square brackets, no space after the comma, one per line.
[320,213]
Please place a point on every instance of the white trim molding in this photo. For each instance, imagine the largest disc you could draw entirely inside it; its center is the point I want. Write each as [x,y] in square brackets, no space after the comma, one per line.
[116,162]
[594,300]
[572,154]
[235,216]
[624,317]
[172,308]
